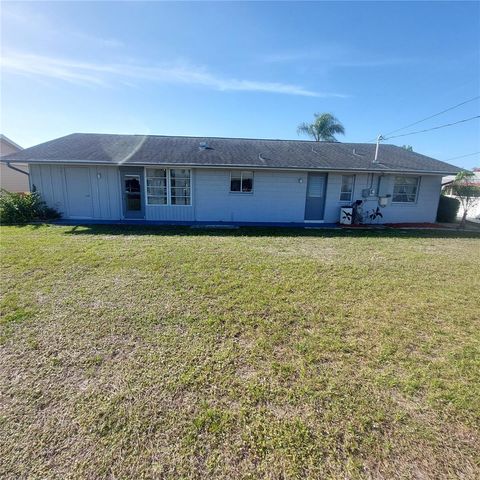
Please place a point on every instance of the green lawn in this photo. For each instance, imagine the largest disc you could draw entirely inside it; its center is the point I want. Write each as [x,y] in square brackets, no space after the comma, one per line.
[179,353]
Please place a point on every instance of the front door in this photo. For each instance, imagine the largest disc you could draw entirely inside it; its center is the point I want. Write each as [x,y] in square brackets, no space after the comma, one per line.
[79,192]
[315,201]
[132,192]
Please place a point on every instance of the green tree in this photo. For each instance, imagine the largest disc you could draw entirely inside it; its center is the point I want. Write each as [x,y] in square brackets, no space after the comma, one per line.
[408,147]
[467,192]
[323,129]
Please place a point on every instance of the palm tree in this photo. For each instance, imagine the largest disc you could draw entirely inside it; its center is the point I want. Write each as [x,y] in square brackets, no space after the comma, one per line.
[323,129]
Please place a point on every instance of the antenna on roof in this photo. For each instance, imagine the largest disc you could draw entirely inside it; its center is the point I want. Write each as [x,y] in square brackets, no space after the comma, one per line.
[379,139]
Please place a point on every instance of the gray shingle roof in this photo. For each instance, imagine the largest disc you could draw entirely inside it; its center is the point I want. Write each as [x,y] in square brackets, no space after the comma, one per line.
[228,152]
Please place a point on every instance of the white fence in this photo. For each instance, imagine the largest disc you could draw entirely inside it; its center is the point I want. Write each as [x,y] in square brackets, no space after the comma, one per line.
[473,212]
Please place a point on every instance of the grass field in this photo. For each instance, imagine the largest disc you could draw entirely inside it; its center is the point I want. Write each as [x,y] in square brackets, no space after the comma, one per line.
[176,353]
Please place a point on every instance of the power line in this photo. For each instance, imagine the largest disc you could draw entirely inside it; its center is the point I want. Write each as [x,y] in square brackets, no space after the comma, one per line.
[429,117]
[462,156]
[434,115]
[433,128]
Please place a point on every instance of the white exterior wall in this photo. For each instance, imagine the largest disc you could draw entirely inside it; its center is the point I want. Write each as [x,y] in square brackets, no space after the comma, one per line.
[278,196]
[423,210]
[49,181]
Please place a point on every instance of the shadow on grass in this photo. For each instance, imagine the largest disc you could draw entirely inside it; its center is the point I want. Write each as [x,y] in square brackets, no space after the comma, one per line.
[266,232]
[34,225]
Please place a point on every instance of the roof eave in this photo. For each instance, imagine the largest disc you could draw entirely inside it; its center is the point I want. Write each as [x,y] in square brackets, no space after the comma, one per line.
[226,165]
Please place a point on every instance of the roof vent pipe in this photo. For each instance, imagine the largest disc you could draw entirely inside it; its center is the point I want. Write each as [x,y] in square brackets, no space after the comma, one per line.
[203,146]
[379,138]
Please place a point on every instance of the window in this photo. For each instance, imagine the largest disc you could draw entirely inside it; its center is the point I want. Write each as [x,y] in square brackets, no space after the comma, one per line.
[180,187]
[241,182]
[157,186]
[133,196]
[346,192]
[168,186]
[405,189]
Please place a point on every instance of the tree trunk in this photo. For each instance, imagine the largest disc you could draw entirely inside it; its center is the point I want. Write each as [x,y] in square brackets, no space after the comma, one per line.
[463,221]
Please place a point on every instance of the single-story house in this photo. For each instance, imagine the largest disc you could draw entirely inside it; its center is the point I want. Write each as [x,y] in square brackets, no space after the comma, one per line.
[12,179]
[233,180]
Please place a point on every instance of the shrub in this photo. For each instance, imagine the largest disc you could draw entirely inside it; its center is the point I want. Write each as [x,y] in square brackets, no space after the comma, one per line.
[24,207]
[447,209]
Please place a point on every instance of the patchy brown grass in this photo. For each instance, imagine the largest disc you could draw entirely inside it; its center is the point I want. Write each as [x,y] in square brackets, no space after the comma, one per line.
[143,353]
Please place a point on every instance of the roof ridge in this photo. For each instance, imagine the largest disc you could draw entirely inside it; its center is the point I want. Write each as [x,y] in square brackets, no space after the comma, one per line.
[226,138]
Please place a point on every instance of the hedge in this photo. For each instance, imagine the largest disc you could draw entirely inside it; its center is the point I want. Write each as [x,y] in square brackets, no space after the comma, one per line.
[447,209]
[24,208]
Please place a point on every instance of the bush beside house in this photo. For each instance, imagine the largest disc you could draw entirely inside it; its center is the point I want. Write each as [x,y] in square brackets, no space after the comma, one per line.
[24,207]
[447,209]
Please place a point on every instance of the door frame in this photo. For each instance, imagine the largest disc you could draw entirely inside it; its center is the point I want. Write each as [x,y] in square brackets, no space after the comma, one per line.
[138,171]
[320,220]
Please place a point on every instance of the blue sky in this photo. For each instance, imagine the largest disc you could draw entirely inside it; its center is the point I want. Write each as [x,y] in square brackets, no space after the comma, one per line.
[242,69]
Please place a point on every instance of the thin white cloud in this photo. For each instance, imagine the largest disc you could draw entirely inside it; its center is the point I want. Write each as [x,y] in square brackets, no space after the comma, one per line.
[16,17]
[332,56]
[103,74]
[32,65]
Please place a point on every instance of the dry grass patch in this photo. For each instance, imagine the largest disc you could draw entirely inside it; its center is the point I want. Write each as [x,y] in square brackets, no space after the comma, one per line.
[171,353]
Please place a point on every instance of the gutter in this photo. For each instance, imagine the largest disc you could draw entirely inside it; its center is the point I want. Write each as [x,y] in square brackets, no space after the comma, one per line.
[9,165]
[234,167]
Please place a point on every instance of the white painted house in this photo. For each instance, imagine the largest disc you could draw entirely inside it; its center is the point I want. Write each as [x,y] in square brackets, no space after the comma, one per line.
[191,179]
[11,179]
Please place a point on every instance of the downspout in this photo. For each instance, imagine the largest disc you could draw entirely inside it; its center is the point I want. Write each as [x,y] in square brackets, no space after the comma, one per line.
[17,169]
[32,187]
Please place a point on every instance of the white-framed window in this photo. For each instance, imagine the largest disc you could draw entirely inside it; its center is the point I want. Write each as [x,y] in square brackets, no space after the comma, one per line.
[168,186]
[405,189]
[180,186]
[157,186]
[346,190]
[241,181]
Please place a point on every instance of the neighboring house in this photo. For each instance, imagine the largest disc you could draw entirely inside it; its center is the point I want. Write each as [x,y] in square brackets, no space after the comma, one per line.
[192,179]
[474,211]
[10,179]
